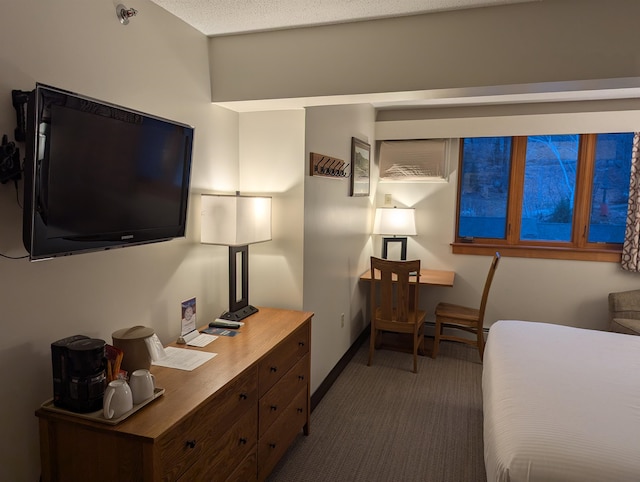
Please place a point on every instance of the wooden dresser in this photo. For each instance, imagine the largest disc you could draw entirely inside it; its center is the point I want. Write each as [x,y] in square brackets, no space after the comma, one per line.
[230,419]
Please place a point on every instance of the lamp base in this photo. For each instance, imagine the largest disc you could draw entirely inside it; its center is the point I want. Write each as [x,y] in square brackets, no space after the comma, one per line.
[241,314]
[403,247]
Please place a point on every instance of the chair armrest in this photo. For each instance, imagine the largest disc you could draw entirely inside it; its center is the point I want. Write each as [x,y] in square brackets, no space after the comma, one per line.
[625,325]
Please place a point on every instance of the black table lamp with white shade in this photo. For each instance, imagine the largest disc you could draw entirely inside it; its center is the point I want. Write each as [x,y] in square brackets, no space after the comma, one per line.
[236,221]
[397,223]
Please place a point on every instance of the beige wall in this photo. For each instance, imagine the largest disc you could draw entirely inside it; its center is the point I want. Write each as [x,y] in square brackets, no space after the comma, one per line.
[272,162]
[528,43]
[564,292]
[526,48]
[156,64]
[336,236]
[570,293]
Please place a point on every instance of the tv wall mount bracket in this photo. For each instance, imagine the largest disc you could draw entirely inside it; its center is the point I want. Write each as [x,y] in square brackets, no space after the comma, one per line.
[10,168]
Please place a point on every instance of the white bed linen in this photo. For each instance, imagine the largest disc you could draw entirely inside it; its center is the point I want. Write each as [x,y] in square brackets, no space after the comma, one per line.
[560,404]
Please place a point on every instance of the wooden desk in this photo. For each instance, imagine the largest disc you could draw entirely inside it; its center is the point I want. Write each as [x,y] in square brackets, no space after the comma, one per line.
[230,419]
[432,277]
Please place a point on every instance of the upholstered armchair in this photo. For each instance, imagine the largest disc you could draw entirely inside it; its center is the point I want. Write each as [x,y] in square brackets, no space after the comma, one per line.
[624,312]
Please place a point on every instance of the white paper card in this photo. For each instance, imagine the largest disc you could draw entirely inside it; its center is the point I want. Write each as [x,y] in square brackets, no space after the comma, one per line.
[183,359]
[195,338]
[203,339]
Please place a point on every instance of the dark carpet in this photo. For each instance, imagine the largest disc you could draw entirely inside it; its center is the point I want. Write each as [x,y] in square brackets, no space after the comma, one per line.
[385,423]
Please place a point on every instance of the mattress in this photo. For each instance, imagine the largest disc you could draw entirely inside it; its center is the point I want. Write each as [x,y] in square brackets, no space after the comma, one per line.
[560,404]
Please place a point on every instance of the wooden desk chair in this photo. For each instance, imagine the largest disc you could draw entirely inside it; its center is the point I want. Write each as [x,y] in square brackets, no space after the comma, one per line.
[394,304]
[464,318]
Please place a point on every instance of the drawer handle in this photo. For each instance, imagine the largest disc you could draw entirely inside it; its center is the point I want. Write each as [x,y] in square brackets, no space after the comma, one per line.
[243,441]
[301,344]
[274,408]
[300,377]
[191,444]
[274,369]
[300,410]
[243,396]
[272,445]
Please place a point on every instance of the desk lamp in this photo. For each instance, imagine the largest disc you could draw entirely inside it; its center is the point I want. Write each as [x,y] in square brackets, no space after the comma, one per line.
[236,221]
[395,221]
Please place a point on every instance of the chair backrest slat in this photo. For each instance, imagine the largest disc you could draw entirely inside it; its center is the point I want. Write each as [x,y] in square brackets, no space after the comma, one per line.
[487,284]
[391,290]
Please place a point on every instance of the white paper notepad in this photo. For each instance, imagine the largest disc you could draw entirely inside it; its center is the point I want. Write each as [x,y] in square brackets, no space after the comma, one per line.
[183,358]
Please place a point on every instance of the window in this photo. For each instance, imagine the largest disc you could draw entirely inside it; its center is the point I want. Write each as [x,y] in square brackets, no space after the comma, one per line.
[551,196]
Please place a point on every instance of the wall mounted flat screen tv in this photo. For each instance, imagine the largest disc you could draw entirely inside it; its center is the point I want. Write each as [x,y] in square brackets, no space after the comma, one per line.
[100,176]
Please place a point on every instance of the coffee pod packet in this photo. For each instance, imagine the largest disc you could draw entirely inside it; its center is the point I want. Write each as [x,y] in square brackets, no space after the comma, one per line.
[156,350]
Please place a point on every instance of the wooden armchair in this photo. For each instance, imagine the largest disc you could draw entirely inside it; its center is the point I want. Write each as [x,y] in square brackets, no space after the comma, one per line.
[624,312]
[394,303]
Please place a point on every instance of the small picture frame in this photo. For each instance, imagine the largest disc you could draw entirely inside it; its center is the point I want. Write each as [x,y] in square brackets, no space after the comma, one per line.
[360,167]
[188,311]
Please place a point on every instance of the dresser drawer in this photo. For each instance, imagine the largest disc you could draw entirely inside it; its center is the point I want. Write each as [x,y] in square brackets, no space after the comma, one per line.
[194,438]
[273,403]
[247,471]
[223,455]
[276,441]
[283,357]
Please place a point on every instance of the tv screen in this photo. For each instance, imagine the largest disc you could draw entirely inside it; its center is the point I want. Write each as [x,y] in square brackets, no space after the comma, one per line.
[100,176]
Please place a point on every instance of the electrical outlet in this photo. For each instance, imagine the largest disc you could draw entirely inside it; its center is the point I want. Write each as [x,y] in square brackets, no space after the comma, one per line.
[342,320]
[388,200]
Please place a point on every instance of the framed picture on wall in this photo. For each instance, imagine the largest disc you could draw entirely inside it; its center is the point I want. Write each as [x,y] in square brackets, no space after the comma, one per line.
[360,167]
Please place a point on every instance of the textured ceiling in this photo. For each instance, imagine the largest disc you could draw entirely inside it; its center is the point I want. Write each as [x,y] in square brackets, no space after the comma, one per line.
[222,17]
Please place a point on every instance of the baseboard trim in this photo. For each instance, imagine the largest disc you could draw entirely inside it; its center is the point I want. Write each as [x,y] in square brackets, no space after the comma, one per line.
[333,375]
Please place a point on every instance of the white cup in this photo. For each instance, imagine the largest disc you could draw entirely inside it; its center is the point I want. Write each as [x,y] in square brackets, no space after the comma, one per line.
[142,384]
[117,399]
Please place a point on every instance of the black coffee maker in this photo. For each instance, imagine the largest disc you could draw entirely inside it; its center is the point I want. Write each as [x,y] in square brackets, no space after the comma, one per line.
[79,376]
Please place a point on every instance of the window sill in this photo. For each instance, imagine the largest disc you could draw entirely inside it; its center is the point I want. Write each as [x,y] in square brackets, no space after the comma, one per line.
[545,252]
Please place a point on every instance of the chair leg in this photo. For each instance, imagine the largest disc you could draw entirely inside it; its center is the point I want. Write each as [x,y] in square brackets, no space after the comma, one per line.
[415,352]
[436,340]
[480,343]
[372,344]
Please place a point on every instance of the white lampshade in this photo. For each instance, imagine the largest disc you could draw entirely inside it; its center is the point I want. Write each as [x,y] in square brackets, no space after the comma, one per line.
[235,220]
[395,221]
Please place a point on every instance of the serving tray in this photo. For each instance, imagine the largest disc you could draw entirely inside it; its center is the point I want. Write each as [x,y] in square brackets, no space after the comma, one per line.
[98,416]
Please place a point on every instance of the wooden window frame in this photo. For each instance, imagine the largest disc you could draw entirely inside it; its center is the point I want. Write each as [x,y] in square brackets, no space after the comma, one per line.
[577,249]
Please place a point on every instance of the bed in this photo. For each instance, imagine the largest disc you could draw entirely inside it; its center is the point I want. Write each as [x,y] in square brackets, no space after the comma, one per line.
[560,404]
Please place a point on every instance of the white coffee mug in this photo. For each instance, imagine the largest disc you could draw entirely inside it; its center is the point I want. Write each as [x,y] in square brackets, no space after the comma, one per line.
[142,384]
[117,399]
